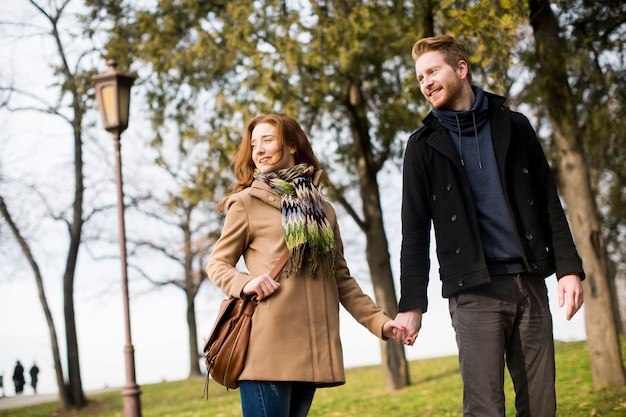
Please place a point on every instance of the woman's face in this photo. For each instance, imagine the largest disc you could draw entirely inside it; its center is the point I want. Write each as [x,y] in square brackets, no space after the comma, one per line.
[267,153]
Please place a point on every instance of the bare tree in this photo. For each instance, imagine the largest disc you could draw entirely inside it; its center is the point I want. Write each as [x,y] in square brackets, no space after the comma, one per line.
[185,208]
[25,247]
[72,86]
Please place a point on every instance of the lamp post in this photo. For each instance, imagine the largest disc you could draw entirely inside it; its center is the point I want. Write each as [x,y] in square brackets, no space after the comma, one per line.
[113,97]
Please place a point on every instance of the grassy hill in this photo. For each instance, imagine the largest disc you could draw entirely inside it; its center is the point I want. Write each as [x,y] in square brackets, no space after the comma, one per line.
[435,391]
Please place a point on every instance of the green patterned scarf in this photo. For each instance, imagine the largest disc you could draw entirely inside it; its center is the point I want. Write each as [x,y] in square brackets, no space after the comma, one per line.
[308,233]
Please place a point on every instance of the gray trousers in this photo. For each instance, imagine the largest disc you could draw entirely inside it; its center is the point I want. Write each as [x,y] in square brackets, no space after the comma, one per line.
[505,321]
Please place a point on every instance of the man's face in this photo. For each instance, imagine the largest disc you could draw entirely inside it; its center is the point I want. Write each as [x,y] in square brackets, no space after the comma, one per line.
[441,84]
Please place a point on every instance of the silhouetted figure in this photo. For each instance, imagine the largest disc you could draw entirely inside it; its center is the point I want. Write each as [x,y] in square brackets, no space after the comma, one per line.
[34,372]
[18,378]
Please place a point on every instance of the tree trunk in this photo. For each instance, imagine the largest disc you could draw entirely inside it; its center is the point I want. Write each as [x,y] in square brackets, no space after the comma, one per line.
[64,396]
[194,357]
[572,174]
[192,285]
[428,18]
[75,232]
[395,366]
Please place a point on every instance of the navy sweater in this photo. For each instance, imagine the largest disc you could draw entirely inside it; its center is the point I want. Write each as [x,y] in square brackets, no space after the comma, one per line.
[470,132]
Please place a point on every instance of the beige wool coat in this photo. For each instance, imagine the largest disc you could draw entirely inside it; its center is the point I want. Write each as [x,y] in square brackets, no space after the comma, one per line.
[295,331]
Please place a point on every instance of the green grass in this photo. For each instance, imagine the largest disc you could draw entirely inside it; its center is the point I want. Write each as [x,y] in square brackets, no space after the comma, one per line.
[435,391]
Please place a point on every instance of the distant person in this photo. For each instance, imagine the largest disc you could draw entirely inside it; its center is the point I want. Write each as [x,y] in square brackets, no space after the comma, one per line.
[18,378]
[476,171]
[34,373]
[295,345]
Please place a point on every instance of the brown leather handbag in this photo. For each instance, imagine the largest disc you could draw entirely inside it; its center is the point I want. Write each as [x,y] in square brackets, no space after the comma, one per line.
[225,349]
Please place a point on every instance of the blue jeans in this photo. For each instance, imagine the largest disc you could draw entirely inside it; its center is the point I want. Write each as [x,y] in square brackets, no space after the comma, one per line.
[506,323]
[276,399]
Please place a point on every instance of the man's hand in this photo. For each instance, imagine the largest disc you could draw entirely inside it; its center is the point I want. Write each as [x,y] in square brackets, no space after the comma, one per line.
[570,292]
[412,321]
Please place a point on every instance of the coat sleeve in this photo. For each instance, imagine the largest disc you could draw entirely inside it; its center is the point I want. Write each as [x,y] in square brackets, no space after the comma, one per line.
[221,269]
[416,224]
[351,296]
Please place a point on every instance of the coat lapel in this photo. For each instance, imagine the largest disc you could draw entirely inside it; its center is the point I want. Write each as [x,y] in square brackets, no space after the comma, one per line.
[501,138]
[440,141]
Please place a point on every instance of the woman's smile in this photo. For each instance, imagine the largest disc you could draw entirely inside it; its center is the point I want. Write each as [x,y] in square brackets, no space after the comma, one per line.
[268,153]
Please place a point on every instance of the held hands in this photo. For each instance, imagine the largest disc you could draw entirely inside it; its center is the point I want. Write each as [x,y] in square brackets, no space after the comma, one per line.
[394,330]
[263,286]
[571,291]
[412,321]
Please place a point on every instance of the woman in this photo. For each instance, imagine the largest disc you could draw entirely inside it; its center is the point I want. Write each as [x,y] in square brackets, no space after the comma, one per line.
[294,344]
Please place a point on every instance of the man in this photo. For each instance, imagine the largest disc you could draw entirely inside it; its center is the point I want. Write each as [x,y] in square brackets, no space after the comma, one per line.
[18,378]
[477,171]
[34,376]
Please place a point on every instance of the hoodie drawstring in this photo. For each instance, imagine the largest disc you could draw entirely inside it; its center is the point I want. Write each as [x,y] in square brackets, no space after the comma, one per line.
[480,163]
[458,125]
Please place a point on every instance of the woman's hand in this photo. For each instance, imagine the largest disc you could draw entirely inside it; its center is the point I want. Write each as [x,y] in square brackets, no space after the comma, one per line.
[412,319]
[263,286]
[394,330]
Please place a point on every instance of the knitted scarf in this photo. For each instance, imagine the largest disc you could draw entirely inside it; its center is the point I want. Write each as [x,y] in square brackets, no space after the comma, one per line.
[308,233]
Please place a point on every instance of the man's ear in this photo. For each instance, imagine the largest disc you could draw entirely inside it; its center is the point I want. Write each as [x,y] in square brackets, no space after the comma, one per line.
[462,68]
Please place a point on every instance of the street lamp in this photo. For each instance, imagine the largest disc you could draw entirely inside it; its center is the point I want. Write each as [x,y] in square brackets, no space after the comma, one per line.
[113,97]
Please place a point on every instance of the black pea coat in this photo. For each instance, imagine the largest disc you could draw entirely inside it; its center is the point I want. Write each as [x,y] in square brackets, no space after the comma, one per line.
[435,189]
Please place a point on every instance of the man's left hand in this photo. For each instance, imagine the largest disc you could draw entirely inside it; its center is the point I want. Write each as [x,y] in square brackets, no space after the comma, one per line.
[570,292]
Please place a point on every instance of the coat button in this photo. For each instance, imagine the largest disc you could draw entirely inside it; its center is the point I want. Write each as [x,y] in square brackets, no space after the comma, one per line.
[449,187]
[453,218]
[460,283]
[434,197]
[530,236]
[525,170]
[457,251]
[531,203]
[272,198]
[534,266]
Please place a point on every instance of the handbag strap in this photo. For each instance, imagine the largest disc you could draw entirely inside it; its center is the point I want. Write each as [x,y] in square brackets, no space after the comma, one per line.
[278,266]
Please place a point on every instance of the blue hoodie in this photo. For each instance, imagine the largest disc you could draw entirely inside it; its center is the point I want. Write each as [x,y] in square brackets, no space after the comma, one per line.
[470,132]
